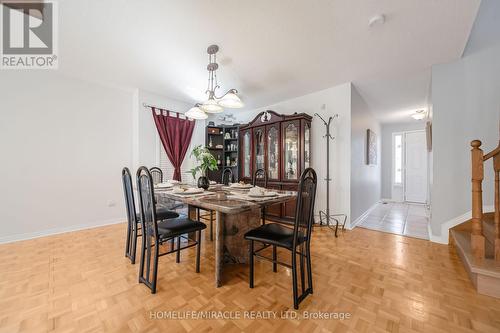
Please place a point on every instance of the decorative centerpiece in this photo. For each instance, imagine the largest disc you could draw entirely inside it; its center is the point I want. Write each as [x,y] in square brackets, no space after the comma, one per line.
[206,161]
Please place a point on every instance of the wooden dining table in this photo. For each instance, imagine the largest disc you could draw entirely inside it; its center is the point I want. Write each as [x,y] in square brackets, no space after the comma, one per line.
[235,215]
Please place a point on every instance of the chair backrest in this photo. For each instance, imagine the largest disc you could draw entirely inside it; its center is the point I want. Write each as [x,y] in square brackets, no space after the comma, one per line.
[157,175]
[129,196]
[147,204]
[259,174]
[304,211]
[227,176]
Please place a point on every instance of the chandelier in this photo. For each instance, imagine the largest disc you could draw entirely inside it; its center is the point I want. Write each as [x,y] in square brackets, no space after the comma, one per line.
[214,104]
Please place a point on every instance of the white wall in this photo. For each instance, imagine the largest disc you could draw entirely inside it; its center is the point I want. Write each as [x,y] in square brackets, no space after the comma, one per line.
[466,104]
[337,100]
[63,144]
[387,131]
[365,179]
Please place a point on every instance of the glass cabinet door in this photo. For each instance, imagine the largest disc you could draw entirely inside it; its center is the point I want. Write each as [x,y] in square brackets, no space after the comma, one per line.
[291,146]
[307,146]
[246,154]
[273,152]
[259,148]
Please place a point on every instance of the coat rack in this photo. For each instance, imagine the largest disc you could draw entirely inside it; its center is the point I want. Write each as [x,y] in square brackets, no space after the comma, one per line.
[324,216]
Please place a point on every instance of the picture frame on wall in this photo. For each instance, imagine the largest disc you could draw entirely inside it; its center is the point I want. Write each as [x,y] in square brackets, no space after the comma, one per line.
[371,147]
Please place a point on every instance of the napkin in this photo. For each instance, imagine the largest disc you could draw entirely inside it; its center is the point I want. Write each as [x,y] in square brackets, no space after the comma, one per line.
[257,190]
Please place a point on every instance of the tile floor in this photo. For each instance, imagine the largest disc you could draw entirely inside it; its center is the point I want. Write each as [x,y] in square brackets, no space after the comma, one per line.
[398,218]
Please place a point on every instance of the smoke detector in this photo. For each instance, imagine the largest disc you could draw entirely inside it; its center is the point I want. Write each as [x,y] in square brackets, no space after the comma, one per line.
[376,20]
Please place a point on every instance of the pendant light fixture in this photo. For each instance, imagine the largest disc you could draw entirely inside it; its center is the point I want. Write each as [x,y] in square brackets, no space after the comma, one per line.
[196,113]
[214,104]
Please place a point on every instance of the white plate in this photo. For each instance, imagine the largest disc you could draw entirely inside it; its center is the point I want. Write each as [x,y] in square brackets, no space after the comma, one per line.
[164,185]
[191,191]
[237,185]
[264,195]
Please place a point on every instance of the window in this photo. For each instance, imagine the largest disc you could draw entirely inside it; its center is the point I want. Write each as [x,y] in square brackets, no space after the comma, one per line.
[167,167]
[398,159]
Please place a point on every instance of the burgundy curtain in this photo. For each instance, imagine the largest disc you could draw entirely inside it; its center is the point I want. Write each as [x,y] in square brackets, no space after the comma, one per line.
[175,134]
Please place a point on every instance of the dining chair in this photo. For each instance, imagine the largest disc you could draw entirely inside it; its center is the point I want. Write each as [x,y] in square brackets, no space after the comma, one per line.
[297,239]
[134,219]
[157,175]
[157,233]
[206,216]
[261,174]
[227,176]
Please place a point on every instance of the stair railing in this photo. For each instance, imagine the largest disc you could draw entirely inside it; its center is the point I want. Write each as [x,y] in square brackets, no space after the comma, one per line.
[477,237]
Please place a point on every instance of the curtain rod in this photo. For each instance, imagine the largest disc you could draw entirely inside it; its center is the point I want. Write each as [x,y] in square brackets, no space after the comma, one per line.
[161,108]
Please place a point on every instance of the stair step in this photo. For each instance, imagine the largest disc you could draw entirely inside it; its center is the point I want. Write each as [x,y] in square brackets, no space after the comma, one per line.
[488,231]
[489,227]
[484,274]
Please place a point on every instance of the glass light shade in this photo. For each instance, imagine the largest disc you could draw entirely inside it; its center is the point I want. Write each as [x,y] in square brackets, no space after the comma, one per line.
[196,113]
[211,106]
[231,100]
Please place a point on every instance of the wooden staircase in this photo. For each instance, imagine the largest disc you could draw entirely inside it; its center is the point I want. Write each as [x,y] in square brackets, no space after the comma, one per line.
[478,240]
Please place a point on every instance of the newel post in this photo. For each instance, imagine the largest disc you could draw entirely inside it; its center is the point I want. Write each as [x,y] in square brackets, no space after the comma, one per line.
[477,238]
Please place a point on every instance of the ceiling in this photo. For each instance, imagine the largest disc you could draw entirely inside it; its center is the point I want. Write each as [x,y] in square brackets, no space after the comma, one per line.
[269,50]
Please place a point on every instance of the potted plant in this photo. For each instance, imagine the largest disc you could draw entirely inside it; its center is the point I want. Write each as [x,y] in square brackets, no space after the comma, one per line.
[206,161]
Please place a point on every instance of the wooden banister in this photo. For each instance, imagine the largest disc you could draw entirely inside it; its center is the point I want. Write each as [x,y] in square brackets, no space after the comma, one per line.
[477,238]
[493,153]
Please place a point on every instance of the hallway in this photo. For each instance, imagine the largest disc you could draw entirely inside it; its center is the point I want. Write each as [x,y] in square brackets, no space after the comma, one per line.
[398,218]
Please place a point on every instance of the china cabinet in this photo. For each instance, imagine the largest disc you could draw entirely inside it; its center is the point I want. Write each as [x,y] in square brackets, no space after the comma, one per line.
[281,145]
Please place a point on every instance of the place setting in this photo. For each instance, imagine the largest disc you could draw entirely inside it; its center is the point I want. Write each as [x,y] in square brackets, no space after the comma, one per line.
[185,191]
[240,186]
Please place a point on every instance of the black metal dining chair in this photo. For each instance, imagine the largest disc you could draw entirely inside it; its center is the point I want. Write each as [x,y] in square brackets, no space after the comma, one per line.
[207,216]
[227,176]
[277,235]
[157,233]
[157,175]
[258,175]
[134,219]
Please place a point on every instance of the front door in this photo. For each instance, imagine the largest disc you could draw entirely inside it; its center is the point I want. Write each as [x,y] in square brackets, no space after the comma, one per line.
[416,167]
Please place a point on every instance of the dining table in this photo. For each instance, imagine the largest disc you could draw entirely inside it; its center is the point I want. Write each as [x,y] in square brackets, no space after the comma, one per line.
[237,211]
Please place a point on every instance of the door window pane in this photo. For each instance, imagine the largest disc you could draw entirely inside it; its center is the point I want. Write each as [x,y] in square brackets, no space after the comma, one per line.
[291,151]
[398,159]
[272,153]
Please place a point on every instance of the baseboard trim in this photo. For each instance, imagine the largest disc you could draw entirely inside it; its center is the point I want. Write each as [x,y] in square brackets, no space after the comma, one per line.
[56,231]
[354,224]
[445,227]
[388,200]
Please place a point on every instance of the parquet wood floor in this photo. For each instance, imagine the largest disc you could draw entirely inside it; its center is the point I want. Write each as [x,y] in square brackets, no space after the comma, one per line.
[81,282]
